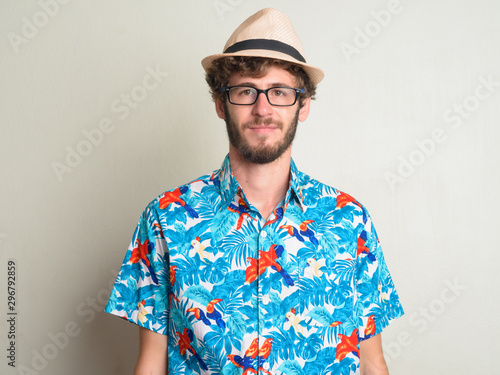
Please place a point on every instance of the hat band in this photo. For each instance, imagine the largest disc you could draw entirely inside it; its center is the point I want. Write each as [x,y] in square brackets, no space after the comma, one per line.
[268,44]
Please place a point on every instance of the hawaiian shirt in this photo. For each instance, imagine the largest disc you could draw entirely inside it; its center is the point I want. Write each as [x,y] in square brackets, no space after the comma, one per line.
[237,293]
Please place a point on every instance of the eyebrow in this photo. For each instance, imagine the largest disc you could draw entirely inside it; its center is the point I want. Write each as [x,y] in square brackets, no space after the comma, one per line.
[275,84]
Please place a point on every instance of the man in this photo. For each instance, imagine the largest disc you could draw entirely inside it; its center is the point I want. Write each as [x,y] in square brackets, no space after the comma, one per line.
[257,268]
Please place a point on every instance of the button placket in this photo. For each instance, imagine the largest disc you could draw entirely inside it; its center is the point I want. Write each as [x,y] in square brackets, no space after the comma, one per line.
[261,299]
[264,298]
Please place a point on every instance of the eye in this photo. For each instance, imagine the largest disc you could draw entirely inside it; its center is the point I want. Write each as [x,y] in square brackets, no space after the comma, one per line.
[244,91]
[278,92]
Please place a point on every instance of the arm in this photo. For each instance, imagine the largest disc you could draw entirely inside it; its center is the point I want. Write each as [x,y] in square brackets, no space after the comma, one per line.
[153,353]
[371,357]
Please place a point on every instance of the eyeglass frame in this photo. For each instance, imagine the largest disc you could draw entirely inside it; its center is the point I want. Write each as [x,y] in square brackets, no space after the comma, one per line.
[259,91]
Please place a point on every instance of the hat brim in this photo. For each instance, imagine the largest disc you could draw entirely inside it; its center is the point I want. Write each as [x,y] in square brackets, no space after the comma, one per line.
[315,74]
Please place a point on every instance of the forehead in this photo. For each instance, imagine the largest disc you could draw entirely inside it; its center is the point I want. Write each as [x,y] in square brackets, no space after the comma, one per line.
[274,76]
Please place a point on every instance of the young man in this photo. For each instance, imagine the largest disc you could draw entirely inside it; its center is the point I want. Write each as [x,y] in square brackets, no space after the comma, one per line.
[257,268]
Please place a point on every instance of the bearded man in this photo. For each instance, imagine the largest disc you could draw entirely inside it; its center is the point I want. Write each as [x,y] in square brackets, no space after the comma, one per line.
[257,268]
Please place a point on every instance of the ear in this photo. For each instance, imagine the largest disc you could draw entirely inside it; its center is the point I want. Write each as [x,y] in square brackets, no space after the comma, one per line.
[219,108]
[304,111]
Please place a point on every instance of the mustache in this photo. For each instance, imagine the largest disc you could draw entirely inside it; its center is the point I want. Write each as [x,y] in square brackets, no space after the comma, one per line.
[261,122]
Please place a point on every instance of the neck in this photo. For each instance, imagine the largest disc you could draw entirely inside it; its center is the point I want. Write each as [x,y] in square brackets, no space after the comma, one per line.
[265,185]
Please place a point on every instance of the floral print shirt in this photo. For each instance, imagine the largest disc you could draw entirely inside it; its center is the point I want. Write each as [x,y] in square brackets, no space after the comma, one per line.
[237,293]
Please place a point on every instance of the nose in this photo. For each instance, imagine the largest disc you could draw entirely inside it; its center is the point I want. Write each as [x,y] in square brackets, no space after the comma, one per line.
[262,107]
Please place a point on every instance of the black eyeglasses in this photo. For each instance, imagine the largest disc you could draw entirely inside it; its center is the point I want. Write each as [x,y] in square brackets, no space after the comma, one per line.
[247,95]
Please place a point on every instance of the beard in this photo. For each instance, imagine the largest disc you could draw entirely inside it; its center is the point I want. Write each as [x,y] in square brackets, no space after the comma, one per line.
[260,154]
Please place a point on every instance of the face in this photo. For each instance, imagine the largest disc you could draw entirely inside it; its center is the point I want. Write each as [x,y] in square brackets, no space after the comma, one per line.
[261,133]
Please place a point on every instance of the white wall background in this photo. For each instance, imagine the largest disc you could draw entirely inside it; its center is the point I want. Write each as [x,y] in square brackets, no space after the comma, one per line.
[417,78]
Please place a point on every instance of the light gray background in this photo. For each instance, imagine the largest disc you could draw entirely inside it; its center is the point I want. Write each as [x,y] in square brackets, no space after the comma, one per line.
[438,222]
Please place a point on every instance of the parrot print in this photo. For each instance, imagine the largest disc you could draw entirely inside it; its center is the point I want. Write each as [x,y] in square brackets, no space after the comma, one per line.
[140,253]
[174,196]
[237,293]
[267,259]
[185,340]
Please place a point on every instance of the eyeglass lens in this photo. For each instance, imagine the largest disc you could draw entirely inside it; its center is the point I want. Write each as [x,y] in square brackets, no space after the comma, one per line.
[275,95]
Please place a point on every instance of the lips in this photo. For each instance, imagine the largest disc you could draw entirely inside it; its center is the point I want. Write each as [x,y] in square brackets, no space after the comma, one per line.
[266,125]
[263,129]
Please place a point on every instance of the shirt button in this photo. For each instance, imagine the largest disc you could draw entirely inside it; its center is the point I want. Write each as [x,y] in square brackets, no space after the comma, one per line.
[266,366]
[266,299]
[263,234]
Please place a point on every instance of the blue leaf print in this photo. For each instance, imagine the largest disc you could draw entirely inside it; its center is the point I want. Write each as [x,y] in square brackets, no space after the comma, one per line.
[312,293]
[230,369]
[283,346]
[329,244]
[323,362]
[232,280]
[132,283]
[239,245]
[321,315]
[213,360]
[179,319]
[199,294]
[187,273]
[291,368]
[249,312]
[342,367]
[222,341]
[289,302]
[248,292]
[237,325]
[309,347]
[177,214]
[214,272]
[209,202]
[344,270]
[221,225]
[295,214]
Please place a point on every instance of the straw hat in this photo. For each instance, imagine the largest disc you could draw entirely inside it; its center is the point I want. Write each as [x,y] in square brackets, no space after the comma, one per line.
[267,33]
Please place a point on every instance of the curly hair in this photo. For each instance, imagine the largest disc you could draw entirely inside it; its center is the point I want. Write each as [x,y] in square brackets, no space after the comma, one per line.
[222,69]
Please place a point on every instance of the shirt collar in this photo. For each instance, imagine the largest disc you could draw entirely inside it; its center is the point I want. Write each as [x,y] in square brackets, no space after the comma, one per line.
[229,186]
[227,183]
[296,185]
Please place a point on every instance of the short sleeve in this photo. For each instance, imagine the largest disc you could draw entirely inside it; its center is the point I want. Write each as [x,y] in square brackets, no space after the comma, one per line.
[141,291]
[376,296]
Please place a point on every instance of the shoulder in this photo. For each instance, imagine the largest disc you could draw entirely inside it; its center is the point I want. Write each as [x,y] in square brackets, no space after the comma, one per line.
[316,190]
[177,194]
[317,195]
